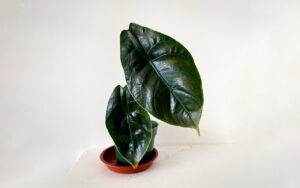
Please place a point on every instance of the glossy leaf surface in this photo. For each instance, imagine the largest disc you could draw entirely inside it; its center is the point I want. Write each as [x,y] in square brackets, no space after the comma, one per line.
[162,76]
[129,125]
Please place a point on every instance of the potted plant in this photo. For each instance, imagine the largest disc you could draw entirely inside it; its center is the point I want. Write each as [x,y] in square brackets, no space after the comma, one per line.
[162,80]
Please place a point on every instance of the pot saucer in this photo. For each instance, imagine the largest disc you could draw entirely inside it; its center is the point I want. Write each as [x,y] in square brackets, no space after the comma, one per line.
[108,157]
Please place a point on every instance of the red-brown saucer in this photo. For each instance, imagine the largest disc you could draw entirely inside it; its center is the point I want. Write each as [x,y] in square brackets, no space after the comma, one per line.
[108,157]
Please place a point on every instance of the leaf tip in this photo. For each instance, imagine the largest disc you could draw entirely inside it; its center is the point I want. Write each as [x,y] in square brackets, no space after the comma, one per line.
[135,165]
[198,131]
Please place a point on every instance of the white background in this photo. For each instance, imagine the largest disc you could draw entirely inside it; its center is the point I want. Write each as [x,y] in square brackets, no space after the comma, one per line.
[60,60]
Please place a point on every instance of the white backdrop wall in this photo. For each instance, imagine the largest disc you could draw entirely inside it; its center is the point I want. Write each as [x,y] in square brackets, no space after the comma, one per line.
[60,60]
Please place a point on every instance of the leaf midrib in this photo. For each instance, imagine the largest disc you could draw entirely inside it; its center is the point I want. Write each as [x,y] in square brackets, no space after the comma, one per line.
[127,116]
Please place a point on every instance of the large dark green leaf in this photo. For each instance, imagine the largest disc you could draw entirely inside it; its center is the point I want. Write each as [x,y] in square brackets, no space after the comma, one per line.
[129,125]
[162,76]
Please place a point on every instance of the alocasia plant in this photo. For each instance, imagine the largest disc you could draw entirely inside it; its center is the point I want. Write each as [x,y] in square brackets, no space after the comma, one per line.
[163,79]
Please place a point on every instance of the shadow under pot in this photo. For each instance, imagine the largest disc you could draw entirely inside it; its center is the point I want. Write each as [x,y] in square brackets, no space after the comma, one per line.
[149,154]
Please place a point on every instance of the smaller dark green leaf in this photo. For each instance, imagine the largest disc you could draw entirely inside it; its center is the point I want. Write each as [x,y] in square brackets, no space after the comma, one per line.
[129,125]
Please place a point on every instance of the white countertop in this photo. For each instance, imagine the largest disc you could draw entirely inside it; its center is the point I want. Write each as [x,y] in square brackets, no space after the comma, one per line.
[207,165]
